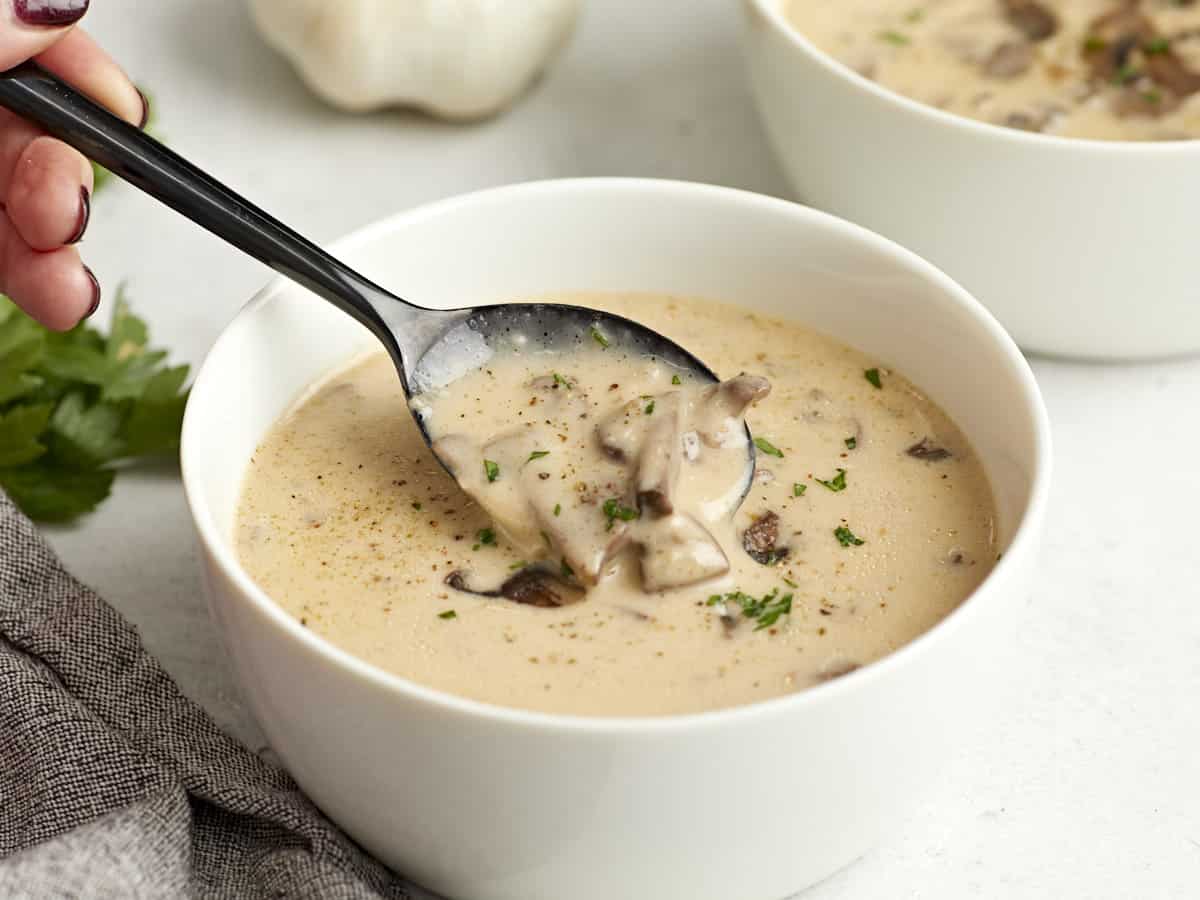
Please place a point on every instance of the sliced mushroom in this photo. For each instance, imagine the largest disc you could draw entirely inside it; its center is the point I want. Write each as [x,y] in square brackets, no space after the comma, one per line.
[532,586]
[659,457]
[1170,71]
[1009,60]
[1031,18]
[679,551]
[505,499]
[927,450]
[761,541]
[719,410]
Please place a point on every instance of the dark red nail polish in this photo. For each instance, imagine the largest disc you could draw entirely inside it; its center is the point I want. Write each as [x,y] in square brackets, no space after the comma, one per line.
[50,12]
[95,292]
[145,108]
[85,213]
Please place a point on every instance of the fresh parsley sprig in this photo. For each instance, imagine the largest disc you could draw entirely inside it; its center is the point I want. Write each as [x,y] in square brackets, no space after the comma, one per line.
[74,404]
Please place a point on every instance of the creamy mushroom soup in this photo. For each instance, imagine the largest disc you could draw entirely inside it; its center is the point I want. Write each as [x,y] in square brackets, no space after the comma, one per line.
[587,561]
[1105,69]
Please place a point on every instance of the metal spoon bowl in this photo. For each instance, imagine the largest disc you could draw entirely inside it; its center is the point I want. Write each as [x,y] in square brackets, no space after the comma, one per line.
[428,346]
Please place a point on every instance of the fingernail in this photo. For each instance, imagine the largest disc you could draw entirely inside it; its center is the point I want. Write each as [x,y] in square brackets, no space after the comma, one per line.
[145,108]
[50,12]
[85,213]
[95,292]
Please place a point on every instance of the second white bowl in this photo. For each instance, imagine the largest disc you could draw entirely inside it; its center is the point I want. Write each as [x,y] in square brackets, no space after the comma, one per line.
[1080,248]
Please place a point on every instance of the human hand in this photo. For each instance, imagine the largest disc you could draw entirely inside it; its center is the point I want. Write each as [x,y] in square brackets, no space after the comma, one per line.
[46,186]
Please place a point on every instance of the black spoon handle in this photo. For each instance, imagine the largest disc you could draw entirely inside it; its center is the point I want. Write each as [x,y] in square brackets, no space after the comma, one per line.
[34,94]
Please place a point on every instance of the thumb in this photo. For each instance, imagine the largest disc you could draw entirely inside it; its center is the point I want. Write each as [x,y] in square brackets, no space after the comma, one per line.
[27,27]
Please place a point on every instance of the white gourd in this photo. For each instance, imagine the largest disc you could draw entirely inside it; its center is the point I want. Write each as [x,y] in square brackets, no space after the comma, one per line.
[457,59]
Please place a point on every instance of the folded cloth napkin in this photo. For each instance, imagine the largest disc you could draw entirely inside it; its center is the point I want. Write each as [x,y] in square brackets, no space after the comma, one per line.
[115,785]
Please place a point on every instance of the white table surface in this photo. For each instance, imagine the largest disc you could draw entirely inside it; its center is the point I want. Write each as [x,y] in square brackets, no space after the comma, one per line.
[1091,788]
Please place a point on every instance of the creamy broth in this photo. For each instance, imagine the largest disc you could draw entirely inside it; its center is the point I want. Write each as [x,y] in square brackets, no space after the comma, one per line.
[869,519]
[1102,69]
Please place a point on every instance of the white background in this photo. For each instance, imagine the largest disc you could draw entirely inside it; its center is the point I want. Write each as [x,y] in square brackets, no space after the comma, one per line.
[1086,784]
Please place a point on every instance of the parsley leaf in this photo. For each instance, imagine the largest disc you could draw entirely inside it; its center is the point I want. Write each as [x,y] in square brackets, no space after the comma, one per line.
[448,614]
[846,537]
[19,432]
[766,610]
[486,536]
[491,470]
[614,510]
[872,375]
[851,442]
[835,484]
[537,454]
[598,337]
[798,489]
[767,447]
[48,493]
[85,436]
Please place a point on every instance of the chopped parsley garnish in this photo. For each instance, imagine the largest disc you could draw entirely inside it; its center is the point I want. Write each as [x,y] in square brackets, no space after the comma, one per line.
[675,379]
[649,410]
[798,489]
[851,443]
[448,614]
[1153,96]
[486,537]
[790,583]
[417,506]
[537,454]
[767,447]
[896,38]
[558,509]
[836,483]
[1126,74]
[846,537]
[872,375]
[519,564]
[74,405]
[491,470]
[1093,43]
[614,510]
[558,379]
[915,15]
[1157,46]
[567,571]
[598,336]
[766,609]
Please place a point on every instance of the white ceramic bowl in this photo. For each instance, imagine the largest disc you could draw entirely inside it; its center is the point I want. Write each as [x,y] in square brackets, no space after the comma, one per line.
[1080,248]
[484,803]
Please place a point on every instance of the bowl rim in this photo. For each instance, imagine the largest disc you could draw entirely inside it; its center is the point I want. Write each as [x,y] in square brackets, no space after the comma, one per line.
[772,12]
[1022,545]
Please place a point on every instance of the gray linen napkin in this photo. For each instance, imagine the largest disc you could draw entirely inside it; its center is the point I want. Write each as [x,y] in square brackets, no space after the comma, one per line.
[115,785]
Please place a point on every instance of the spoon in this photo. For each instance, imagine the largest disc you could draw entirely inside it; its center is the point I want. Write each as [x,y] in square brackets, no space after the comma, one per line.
[430,347]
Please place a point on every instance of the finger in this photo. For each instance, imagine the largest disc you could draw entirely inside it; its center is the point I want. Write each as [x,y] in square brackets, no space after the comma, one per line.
[55,288]
[49,195]
[28,27]
[79,61]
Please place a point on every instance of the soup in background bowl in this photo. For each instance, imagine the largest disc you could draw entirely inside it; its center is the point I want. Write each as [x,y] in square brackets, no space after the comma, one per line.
[478,800]
[1102,69]
[1080,247]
